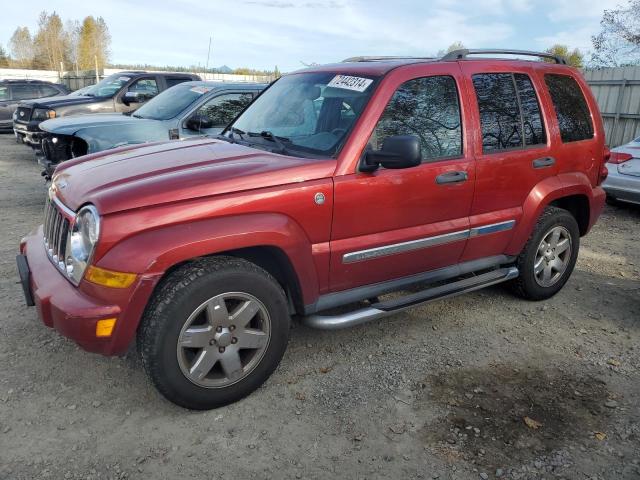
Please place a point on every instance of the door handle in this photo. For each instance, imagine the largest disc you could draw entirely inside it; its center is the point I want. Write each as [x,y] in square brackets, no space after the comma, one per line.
[543,162]
[451,177]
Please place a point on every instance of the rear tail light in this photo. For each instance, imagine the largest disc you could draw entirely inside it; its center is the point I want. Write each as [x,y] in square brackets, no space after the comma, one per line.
[619,157]
[604,173]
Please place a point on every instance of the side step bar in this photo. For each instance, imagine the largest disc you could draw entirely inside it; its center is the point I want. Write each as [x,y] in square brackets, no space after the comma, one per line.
[390,307]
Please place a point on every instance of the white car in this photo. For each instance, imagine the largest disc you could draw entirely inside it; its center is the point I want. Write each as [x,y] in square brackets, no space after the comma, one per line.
[623,182]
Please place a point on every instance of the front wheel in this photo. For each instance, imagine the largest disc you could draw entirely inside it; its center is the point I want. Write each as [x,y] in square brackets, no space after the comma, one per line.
[548,258]
[214,332]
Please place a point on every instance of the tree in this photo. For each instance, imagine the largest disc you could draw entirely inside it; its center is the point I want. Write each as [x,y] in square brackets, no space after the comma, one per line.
[457,45]
[94,42]
[4,58]
[72,32]
[21,47]
[50,42]
[574,57]
[618,42]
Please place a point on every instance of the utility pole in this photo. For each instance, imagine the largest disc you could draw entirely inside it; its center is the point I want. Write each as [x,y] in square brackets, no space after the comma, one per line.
[206,69]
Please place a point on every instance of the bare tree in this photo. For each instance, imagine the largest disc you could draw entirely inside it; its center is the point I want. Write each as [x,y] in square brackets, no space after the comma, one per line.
[50,41]
[21,47]
[618,42]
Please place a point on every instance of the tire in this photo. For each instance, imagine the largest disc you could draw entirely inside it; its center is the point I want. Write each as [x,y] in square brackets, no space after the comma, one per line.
[531,283]
[186,336]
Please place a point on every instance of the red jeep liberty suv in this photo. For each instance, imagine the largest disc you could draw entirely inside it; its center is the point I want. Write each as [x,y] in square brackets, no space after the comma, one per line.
[337,185]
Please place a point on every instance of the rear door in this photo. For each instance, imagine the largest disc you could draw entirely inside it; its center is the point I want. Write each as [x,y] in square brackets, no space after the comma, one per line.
[394,223]
[513,148]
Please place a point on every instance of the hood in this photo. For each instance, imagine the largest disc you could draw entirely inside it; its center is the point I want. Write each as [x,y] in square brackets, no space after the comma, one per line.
[70,125]
[154,174]
[61,101]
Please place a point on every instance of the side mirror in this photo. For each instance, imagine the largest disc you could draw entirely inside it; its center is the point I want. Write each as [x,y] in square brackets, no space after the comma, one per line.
[131,97]
[398,151]
[198,122]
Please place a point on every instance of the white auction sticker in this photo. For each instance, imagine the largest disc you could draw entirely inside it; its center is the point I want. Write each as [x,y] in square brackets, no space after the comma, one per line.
[124,79]
[359,84]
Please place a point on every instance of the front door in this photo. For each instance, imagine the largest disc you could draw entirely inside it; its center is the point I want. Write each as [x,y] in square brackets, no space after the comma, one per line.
[393,223]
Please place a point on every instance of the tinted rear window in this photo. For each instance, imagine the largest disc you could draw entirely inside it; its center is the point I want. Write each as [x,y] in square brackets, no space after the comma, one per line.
[571,108]
[509,111]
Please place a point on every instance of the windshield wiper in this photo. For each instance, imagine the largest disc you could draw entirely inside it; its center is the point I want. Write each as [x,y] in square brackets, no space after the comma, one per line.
[231,138]
[282,148]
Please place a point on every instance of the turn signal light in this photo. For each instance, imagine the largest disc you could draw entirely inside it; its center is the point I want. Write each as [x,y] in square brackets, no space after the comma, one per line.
[104,328]
[109,278]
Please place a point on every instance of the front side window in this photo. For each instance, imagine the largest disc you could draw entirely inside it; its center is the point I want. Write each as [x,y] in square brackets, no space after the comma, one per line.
[4,93]
[145,87]
[571,108]
[48,91]
[308,112]
[427,108]
[24,92]
[510,114]
[221,110]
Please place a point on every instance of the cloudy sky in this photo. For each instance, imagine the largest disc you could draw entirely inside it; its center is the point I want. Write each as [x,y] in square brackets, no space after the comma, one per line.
[265,33]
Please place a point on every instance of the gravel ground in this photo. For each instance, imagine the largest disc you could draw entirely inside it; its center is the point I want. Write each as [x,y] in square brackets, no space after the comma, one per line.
[480,386]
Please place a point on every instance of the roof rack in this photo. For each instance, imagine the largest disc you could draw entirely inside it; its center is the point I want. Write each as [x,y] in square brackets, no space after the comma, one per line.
[464,53]
[382,58]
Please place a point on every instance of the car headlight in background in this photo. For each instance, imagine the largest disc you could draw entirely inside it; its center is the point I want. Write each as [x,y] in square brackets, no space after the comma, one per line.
[81,241]
[43,114]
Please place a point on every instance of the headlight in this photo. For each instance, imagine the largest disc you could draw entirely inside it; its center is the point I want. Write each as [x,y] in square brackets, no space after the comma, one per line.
[81,241]
[43,114]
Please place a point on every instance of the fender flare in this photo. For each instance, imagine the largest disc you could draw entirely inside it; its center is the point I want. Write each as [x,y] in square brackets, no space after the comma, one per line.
[151,253]
[543,194]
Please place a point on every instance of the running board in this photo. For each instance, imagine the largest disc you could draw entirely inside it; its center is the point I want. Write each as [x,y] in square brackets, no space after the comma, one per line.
[390,307]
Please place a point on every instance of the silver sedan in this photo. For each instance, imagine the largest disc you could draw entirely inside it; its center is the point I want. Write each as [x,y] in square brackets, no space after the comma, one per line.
[623,182]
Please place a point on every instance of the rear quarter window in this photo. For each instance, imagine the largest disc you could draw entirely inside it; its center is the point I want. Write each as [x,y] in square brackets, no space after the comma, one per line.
[572,111]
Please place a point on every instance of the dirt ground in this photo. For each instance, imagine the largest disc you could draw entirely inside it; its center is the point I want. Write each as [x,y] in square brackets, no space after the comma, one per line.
[480,386]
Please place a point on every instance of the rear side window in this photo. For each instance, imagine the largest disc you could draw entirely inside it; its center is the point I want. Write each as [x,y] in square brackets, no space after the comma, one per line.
[510,115]
[172,81]
[571,108]
[427,108]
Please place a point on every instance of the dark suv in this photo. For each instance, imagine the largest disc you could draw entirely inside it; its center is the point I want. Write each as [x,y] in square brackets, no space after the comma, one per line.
[120,92]
[13,91]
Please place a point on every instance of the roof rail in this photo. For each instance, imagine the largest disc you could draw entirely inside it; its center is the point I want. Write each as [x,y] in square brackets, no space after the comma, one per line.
[383,58]
[464,53]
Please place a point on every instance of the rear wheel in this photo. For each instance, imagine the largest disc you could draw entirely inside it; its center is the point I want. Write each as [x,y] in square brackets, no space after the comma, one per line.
[214,332]
[548,258]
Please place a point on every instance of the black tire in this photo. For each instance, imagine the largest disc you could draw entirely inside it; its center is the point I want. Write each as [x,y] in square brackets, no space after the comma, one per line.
[180,294]
[526,285]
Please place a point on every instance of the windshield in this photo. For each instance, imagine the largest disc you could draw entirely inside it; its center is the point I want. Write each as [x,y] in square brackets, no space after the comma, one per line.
[172,101]
[305,112]
[107,87]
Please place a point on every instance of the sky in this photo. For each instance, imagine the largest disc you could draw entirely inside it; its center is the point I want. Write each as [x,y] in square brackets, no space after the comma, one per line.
[263,34]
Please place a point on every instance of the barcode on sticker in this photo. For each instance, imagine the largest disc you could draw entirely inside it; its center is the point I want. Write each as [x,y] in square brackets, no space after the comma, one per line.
[358,84]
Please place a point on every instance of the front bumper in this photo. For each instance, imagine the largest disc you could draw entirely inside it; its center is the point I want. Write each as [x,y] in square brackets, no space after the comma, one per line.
[622,187]
[29,133]
[74,311]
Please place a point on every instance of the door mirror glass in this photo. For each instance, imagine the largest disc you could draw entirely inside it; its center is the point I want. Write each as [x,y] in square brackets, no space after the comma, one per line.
[198,122]
[398,151]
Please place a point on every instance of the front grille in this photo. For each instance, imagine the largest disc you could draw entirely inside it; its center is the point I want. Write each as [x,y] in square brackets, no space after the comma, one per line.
[56,229]
[23,114]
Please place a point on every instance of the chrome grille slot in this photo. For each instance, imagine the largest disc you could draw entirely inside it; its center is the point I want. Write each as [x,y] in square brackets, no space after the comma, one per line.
[55,229]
